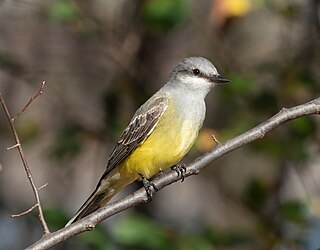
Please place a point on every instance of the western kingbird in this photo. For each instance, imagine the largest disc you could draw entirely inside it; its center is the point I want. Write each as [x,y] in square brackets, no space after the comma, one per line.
[160,133]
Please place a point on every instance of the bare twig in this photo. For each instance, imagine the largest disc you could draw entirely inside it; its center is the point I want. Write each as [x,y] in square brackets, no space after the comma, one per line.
[25,212]
[166,178]
[215,139]
[23,159]
[13,147]
[43,186]
[29,102]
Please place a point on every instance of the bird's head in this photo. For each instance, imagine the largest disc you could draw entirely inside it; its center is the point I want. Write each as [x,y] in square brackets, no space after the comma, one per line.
[196,74]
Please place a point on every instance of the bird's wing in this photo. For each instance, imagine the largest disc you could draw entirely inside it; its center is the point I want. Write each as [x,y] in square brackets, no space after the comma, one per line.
[140,127]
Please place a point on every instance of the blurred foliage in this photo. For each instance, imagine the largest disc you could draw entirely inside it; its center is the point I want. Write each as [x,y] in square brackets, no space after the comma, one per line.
[255,195]
[68,142]
[294,211]
[97,239]
[55,217]
[139,232]
[227,238]
[111,102]
[10,63]
[28,129]
[162,15]
[63,11]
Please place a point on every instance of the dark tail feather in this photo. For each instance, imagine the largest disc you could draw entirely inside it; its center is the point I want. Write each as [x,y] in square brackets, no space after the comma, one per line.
[93,203]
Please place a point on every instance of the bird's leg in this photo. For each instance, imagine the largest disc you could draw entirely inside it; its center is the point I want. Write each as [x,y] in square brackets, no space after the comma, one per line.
[181,170]
[149,186]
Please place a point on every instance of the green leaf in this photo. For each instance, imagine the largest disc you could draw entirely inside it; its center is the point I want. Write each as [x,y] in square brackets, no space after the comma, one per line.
[63,11]
[97,239]
[55,217]
[255,194]
[140,232]
[266,102]
[303,127]
[228,238]
[163,14]
[10,63]
[68,142]
[271,146]
[241,84]
[192,242]
[28,129]
[293,211]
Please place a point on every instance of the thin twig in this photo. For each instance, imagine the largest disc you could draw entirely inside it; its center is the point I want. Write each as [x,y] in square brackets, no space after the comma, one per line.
[167,178]
[25,212]
[12,147]
[215,139]
[29,102]
[43,186]
[23,159]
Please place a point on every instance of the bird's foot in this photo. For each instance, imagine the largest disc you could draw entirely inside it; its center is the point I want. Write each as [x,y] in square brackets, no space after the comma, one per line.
[181,171]
[149,186]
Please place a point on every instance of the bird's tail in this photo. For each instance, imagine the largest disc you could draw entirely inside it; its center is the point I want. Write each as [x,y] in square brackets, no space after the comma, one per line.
[93,203]
[105,190]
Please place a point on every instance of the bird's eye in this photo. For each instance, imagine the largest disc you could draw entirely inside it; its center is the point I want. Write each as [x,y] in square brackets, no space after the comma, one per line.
[196,72]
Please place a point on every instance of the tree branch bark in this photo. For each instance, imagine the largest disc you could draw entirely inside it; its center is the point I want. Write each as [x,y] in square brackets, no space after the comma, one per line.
[162,180]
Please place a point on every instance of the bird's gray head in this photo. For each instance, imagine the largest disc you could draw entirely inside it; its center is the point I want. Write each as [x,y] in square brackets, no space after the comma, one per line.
[196,74]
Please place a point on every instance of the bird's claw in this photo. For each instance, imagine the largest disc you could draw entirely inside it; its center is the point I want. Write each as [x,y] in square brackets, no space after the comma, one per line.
[149,186]
[181,171]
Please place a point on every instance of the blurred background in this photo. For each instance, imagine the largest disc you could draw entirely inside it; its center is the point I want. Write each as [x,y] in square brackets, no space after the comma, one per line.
[103,59]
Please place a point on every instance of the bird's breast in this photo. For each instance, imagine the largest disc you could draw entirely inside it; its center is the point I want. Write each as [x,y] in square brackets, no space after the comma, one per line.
[169,142]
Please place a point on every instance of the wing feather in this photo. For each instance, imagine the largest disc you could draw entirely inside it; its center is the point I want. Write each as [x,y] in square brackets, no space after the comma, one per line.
[140,127]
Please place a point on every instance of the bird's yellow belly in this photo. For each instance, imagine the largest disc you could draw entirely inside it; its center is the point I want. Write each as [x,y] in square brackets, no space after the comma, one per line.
[166,146]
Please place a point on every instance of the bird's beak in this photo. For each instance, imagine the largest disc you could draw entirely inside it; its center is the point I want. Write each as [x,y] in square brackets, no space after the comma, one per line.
[219,79]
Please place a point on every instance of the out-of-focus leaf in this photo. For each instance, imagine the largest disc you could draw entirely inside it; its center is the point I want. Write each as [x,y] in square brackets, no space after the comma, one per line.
[227,238]
[236,128]
[63,11]
[55,217]
[271,146]
[240,84]
[266,102]
[235,8]
[111,104]
[223,10]
[293,211]
[290,11]
[196,242]
[28,129]
[68,142]
[163,14]
[303,127]
[255,194]
[8,62]
[97,239]
[140,232]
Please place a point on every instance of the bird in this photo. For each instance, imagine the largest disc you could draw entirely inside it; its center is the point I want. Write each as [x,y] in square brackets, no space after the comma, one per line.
[160,133]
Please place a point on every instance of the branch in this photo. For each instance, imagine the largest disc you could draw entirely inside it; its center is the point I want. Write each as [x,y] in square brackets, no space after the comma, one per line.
[166,178]
[23,159]
[30,101]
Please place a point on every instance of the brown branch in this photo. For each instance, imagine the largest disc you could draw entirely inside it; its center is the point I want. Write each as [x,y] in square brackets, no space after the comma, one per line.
[166,178]
[25,212]
[43,186]
[23,159]
[13,147]
[29,102]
